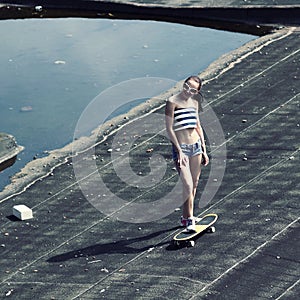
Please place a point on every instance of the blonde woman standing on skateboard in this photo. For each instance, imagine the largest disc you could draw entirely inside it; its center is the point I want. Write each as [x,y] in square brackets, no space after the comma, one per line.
[188,145]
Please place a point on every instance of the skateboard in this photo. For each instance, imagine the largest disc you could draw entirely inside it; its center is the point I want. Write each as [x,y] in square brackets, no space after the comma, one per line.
[188,237]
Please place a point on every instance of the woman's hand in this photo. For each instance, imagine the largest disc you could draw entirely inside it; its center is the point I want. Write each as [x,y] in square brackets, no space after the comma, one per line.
[182,160]
[205,159]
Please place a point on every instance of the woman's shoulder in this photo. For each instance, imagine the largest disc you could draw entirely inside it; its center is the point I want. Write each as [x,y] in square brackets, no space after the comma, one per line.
[171,102]
[172,99]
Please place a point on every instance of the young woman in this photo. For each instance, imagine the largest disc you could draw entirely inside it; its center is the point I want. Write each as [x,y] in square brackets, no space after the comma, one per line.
[189,150]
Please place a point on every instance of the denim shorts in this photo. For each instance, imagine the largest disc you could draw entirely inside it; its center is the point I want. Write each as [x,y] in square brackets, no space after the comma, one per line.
[188,149]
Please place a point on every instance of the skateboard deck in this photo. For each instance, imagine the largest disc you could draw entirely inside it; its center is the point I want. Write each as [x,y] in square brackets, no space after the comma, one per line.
[204,225]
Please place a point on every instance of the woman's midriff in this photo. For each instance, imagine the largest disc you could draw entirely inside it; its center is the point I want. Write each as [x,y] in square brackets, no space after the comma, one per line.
[187,136]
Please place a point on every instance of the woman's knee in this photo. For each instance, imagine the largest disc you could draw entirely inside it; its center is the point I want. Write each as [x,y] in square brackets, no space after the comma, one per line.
[195,182]
[188,188]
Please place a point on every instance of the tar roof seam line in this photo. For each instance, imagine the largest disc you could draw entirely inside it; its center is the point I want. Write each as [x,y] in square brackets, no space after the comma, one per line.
[260,175]
[288,289]
[163,276]
[68,157]
[255,76]
[67,284]
[244,56]
[110,274]
[261,119]
[248,256]
[65,160]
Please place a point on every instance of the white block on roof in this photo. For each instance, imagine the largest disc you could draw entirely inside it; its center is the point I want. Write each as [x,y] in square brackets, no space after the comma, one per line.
[22,212]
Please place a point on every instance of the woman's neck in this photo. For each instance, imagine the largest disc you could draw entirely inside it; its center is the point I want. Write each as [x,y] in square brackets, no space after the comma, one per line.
[183,96]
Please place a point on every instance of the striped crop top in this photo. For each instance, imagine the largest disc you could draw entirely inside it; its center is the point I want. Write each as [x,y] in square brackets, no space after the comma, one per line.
[185,118]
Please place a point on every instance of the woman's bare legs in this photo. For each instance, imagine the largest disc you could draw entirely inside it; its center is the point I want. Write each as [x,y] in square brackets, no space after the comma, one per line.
[195,167]
[189,175]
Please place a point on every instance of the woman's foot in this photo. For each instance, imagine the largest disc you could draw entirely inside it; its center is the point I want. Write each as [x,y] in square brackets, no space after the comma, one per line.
[190,224]
[183,221]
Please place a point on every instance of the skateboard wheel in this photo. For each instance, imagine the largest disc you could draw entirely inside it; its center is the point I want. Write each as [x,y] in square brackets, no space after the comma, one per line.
[176,243]
[211,229]
[192,243]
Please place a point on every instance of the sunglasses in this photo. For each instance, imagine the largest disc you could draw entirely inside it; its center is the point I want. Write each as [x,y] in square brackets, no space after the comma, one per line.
[189,89]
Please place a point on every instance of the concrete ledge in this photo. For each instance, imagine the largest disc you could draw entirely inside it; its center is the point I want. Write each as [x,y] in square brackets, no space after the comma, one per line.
[9,149]
[257,20]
